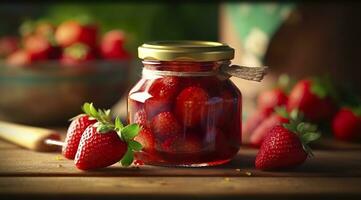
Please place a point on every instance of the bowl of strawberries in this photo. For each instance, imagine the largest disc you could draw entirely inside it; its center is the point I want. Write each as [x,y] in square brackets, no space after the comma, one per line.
[48,72]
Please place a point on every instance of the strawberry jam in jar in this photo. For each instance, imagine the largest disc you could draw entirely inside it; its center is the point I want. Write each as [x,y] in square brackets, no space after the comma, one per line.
[188,108]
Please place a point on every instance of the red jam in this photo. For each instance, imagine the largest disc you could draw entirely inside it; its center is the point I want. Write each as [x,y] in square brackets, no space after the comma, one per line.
[189,115]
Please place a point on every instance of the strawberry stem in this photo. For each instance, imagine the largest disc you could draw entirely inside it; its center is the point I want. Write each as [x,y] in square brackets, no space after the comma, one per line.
[307,132]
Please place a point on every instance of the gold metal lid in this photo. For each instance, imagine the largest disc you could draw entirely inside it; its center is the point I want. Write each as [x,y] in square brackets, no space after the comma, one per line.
[185,50]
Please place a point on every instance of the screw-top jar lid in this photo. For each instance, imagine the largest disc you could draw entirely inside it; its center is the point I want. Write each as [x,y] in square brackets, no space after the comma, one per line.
[185,50]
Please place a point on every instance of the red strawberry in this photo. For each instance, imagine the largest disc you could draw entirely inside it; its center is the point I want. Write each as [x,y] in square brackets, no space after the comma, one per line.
[286,147]
[112,46]
[186,66]
[8,45]
[38,46]
[191,144]
[165,124]
[77,54]
[97,150]
[253,122]
[74,133]
[309,97]
[140,117]
[71,32]
[106,142]
[20,58]
[346,125]
[270,99]
[190,104]
[224,146]
[261,131]
[164,88]
[45,29]
[154,106]
[146,138]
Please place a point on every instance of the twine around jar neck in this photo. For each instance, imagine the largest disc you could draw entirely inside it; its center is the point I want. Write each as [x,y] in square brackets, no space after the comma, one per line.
[225,71]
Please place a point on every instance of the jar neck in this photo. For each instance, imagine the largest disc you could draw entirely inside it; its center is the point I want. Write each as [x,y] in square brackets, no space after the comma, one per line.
[184,66]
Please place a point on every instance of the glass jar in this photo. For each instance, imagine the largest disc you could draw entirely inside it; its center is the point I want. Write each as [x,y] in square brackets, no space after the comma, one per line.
[190,112]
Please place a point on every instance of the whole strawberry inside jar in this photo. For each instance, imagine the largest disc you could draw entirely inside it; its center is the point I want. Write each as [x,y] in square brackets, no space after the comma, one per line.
[189,110]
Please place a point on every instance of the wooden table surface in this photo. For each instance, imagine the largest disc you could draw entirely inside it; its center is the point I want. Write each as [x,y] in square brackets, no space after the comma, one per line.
[335,174]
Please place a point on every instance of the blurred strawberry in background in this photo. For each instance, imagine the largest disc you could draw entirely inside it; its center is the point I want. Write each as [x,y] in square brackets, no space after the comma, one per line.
[267,101]
[76,54]
[346,125]
[20,58]
[72,42]
[71,32]
[314,98]
[8,45]
[37,46]
[112,46]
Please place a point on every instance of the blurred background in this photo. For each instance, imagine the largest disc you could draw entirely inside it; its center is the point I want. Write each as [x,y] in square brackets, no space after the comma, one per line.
[299,39]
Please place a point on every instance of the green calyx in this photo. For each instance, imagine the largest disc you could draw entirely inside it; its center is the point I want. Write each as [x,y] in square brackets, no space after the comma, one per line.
[294,115]
[307,132]
[77,51]
[126,133]
[285,82]
[323,87]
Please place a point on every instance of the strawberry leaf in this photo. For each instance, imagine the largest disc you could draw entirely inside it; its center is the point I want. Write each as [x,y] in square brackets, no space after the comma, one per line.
[130,131]
[291,126]
[281,111]
[295,114]
[318,90]
[135,146]
[285,82]
[86,108]
[128,158]
[309,137]
[93,112]
[104,128]
[118,124]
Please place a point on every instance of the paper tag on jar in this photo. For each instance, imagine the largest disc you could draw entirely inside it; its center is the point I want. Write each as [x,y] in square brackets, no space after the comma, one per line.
[247,73]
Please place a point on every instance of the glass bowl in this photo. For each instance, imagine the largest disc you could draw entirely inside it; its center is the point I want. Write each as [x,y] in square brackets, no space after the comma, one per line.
[49,93]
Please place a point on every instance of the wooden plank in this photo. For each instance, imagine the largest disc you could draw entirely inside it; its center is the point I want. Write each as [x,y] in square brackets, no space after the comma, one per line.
[181,187]
[20,162]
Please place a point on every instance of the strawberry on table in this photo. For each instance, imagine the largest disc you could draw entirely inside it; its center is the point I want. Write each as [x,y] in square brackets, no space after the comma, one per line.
[103,142]
[286,146]
[76,54]
[190,104]
[99,149]
[112,46]
[346,124]
[71,32]
[313,98]
[74,133]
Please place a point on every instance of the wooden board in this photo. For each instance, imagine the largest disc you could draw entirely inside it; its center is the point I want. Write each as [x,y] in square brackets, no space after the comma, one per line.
[331,174]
